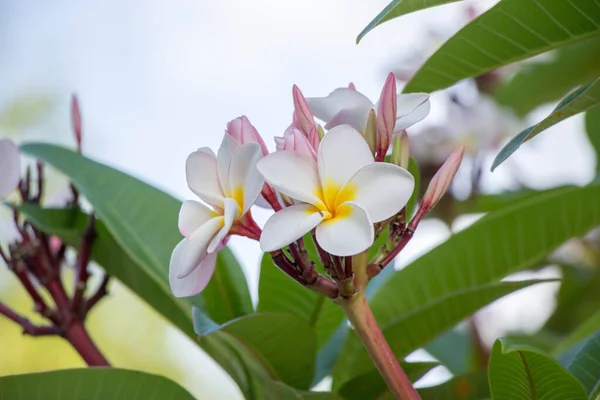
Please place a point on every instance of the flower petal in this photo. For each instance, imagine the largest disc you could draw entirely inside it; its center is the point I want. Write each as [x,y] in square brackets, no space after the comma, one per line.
[228,146]
[196,245]
[289,225]
[194,282]
[10,167]
[349,233]
[325,108]
[343,151]
[382,189]
[412,108]
[192,215]
[203,178]
[244,178]
[230,212]
[355,117]
[293,175]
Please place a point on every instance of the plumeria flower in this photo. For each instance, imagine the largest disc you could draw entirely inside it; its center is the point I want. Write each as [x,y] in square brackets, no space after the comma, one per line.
[294,140]
[242,131]
[229,184]
[10,167]
[341,194]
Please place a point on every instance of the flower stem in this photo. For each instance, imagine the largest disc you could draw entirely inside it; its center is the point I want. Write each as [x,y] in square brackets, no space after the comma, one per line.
[79,338]
[362,319]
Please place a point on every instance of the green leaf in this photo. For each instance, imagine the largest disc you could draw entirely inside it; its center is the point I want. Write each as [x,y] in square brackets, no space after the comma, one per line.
[473,386]
[260,348]
[371,385]
[545,81]
[143,221]
[512,30]
[583,331]
[577,102]
[585,366]
[90,383]
[592,128]
[454,349]
[520,372]
[469,264]
[69,225]
[398,8]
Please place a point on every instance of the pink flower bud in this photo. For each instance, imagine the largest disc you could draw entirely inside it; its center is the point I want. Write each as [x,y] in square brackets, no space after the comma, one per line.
[294,140]
[302,112]
[442,179]
[76,121]
[351,86]
[242,131]
[386,115]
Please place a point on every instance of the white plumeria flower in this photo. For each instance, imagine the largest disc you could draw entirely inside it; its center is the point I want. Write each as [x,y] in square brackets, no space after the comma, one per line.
[342,194]
[10,167]
[230,184]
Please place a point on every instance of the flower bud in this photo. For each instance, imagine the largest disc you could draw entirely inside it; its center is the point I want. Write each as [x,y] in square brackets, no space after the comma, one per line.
[76,121]
[351,86]
[400,150]
[441,180]
[302,112]
[294,140]
[386,115]
[370,133]
[242,131]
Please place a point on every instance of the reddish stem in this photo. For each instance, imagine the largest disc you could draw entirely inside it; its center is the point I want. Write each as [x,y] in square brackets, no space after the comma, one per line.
[85,346]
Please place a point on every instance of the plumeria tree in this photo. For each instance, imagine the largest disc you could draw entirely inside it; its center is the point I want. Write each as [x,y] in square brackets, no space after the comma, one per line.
[347,186]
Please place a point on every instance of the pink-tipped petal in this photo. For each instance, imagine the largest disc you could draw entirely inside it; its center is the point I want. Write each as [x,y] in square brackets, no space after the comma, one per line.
[244,132]
[302,111]
[192,215]
[289,225]
[348,235]
[386,114]
[10,167]
[196,245]
[194,282]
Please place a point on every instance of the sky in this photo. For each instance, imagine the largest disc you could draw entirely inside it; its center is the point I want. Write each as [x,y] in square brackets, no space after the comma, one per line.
[157,80]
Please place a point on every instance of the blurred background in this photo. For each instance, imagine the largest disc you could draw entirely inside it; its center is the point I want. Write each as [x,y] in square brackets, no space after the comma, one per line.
[156,80]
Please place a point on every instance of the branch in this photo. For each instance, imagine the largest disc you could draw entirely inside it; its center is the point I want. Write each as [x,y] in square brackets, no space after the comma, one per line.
[98,295]
[81,265]
[28,327]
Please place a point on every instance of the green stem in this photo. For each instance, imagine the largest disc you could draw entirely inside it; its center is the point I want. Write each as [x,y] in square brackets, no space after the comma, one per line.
[362,319]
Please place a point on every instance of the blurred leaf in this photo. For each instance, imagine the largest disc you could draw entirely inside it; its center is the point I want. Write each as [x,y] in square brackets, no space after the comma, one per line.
[467,266]
[473,386]
[142,219]
[260,348]
[321,396]
[454,349]
[90,383]
[24,111]
[577,102]
[586,366]
[371,385]
[520,372]
[592,128]
[545,81]
[398,8]
[510,31]
[580,333]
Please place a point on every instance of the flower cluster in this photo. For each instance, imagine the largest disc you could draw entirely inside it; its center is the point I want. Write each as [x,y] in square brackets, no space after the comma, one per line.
[331,182]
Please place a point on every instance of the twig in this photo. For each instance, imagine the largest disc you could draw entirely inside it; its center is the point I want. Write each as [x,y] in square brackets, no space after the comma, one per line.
[28,327]
[40,183]
[100,293]
[81,266]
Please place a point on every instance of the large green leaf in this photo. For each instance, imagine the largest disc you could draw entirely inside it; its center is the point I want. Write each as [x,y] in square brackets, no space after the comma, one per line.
[143,221]
[592,128]
[510,31]
[89,384]
[473,386]
[586,366]
[469,265]
[581,100]
[260,348]
[372,386]
[398,8]
[521,372]
[548,80]
[69,226]
[580,333]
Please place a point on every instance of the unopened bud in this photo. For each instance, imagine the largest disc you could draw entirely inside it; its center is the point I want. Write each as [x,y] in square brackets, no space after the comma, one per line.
[386,115]
[242,131]
[400,150]
[302,111]
[76,121]
[441,180]
[370,132]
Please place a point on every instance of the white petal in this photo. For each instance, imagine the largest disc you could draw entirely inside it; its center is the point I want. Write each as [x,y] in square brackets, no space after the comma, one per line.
[289,225]
[347,234]
[202,176]
[382,189]
[342,152]
[244,176]
[412,108]
[10,167]
[293,175]
[196,245]
[355,117]
[231,211]
[197,280]
[228,146]
[191,215]
[325,108]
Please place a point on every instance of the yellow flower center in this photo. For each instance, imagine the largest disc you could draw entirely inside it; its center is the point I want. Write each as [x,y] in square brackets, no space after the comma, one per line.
[333,196]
